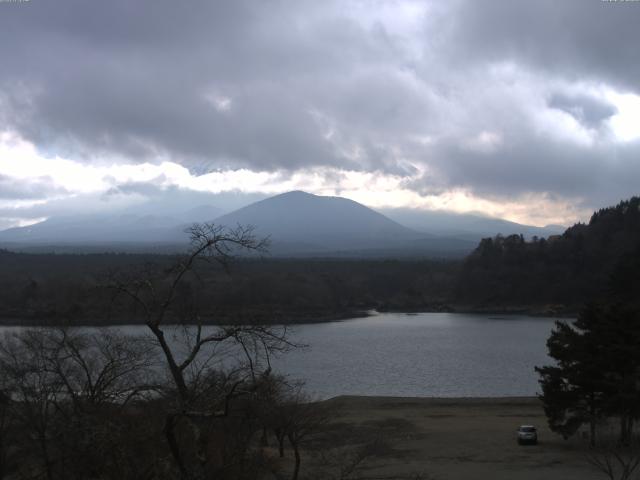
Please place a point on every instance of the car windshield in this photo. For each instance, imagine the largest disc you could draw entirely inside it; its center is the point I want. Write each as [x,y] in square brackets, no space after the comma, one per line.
[527,429]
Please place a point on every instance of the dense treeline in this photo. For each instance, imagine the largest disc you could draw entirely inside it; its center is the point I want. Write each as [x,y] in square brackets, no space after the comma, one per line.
[553,275]
[565,270]
[596,375]
[48,288]
[52,288]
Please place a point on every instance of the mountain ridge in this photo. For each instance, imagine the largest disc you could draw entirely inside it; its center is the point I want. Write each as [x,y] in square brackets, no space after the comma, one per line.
[298,223]
[322,222]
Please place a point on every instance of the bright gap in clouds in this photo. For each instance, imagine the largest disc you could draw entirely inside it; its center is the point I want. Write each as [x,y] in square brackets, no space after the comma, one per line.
[625,124]
[20,161]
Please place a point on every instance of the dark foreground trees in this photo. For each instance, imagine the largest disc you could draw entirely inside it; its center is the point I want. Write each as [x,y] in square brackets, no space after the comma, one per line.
[597,371]
[67,404]
[94,405]
[183,401]
[201,392]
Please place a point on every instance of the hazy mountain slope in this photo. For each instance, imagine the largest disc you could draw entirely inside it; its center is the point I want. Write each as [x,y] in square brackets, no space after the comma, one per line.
[299,224]
[467,226]
[108,228]
[302,221]
[91,229]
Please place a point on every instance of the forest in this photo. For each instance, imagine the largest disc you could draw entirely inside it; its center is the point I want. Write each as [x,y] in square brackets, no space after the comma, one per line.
[564,270]
[555,275]
[61,289]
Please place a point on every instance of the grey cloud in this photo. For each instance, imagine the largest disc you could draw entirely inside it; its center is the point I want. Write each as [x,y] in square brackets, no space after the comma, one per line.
[597,175]
[116,78]
[139,198]
[28,189]
[582,40]
[310,85]
[173,200]
[587,110]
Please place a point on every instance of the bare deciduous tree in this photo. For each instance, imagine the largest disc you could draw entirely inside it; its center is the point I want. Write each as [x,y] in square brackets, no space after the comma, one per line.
[202,395]
[615,460]
[187,400]
[292,415]
[66,392]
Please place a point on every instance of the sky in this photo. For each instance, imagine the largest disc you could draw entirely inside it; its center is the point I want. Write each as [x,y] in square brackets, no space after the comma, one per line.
[519,109]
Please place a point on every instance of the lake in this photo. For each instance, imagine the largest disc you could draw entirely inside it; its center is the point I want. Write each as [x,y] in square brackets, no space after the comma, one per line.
[426,354]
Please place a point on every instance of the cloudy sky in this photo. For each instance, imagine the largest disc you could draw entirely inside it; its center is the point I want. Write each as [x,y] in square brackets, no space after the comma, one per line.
[526,110]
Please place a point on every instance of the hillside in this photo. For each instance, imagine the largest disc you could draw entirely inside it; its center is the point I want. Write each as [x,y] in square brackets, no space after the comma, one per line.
[464,225]
[105,229]
[299,225]
[565,270]
[554,275]
[304,222]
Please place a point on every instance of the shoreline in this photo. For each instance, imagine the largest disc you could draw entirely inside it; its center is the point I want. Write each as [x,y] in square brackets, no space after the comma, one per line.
[500,400]
[306,318]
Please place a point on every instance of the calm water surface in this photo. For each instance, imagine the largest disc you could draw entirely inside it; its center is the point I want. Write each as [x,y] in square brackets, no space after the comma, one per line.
[427,354]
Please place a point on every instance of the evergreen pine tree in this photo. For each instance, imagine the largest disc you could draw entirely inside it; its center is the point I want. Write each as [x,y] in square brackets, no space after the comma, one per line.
[597,371]
[574,391]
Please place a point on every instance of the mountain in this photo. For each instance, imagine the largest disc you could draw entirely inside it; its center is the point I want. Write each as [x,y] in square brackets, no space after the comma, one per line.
[465,226]
[201,213]
[105,229]
[89,229]
[298,222]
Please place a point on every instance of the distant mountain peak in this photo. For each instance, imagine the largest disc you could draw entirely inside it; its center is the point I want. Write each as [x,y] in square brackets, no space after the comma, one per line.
[320,222]
[297,222]
[294,193]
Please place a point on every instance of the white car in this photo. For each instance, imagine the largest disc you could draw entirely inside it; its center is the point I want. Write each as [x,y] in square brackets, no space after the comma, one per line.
[527,434]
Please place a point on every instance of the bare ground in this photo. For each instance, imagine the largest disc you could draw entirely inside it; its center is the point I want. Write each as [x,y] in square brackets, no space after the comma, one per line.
[469,438]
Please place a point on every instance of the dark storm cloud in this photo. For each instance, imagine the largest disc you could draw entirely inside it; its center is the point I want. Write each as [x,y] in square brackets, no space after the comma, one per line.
[591,173]
[580,39]
[279,85]
[135,79]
